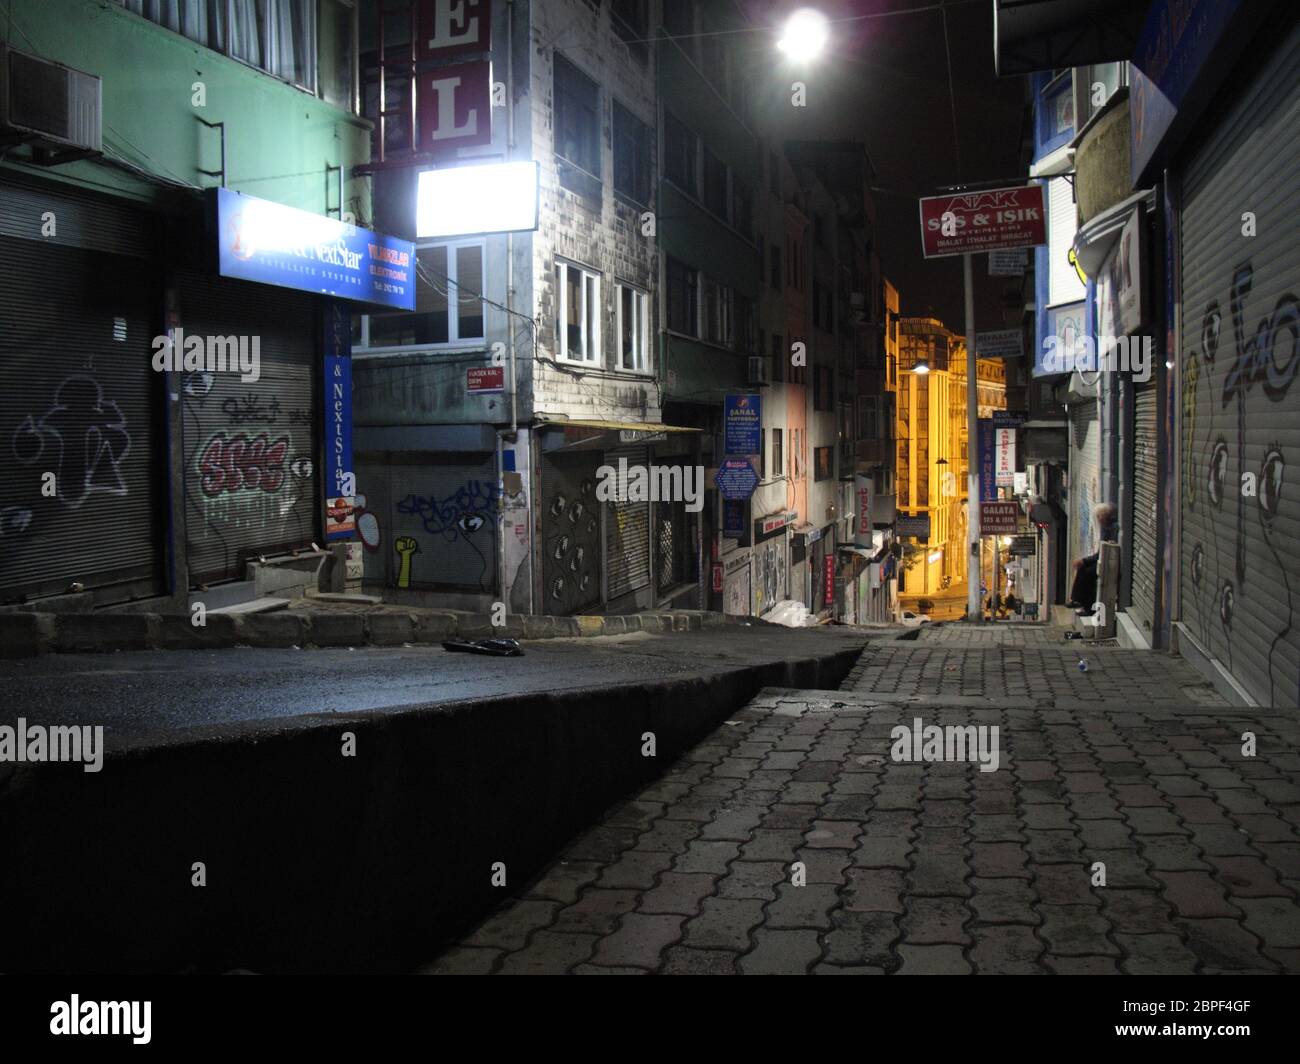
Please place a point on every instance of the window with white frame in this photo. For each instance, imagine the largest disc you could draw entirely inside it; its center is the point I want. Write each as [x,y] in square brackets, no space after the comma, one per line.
[448,301]
[633,328]
[577,313]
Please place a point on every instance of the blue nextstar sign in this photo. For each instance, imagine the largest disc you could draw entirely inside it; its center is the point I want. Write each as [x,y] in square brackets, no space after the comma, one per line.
[261,241]
[736,479]
[986,450]
[742,420]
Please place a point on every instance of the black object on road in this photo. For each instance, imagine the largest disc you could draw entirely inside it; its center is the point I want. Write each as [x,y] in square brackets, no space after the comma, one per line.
[501,648]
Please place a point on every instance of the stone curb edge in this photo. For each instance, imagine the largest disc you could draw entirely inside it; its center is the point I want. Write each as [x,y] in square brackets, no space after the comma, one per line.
[24,635]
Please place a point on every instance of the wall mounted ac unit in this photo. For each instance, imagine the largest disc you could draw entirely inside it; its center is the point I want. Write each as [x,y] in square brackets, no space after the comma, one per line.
[757,369]
[52,106]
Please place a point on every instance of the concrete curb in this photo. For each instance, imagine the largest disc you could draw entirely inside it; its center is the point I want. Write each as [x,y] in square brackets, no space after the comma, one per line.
[317,860]
[24,635]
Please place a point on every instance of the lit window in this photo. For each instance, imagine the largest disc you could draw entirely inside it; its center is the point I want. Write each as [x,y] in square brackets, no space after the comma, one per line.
[448,301]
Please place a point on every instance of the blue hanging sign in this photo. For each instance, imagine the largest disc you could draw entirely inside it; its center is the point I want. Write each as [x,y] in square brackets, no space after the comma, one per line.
[266,242]
[742,420]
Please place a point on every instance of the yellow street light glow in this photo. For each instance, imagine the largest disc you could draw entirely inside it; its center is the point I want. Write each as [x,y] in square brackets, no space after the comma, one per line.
[922,368]
[805,35]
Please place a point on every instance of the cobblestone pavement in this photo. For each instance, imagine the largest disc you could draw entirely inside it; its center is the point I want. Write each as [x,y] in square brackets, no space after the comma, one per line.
[917,868]
[1002,633]
[1048,673]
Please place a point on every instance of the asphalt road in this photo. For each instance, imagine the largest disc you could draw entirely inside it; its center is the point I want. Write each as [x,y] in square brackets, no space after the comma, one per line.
[153,696]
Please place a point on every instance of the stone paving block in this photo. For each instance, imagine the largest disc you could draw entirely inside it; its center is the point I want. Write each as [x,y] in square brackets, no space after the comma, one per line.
[931,921]
[781,953]
[809,906]
[460,960]
[597,912]
[737,825]
[938,874]
[705,856]
[682,960]
[1065,884]
[601,844]
[767,845]
[1170,853]
[1248,877]
[635,870]
[833,834]
[859,938]
[563,881]
[1216,840]
[669,836]
[1008,950]
[1081,965]
[638,942]
[1003,901]
[753,879]
[1275,921]
[823,866]
[1222,944]
[993,860]
[1075,930]
[1135,911]
[933,960]
[678,892]
[1155,954]
[874,890]
[509,928]
[549,953]
[724,923]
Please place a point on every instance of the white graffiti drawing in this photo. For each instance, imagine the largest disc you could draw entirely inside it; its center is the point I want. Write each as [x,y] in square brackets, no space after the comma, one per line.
[14,519]
[82,439]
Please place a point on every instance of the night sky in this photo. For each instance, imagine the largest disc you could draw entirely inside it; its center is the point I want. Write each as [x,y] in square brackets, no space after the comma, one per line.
[885,81]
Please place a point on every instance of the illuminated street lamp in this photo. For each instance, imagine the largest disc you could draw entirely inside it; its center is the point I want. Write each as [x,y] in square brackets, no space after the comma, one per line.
[922,367]
[805,35]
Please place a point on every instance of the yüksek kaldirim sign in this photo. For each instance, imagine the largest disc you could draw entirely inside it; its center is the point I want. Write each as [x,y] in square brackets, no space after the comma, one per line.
[266,242]
[989,220]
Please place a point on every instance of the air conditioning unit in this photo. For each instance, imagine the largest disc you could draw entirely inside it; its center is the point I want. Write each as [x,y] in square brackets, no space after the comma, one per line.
[49,105]
[757,369]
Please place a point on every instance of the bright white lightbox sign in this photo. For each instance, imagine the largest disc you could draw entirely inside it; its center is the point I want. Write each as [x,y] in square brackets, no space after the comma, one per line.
[465,200]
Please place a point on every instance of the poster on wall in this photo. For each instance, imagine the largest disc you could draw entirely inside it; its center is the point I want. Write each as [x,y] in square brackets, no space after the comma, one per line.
[1063,339]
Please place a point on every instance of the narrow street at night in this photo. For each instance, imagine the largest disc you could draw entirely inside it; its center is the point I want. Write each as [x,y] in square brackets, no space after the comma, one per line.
[648,487]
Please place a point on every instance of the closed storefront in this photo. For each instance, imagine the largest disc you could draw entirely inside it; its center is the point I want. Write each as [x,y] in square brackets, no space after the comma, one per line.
[436,517]
[570,532]
[81,486]
[1085,490]
[1145,564]
[627,531]
[1239,407]
[252,486]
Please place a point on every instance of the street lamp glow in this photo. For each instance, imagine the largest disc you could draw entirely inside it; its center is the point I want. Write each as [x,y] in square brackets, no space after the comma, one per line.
[805,35]
[922,368]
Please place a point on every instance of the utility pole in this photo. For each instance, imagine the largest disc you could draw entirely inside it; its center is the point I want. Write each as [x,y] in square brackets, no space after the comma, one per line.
[973,611]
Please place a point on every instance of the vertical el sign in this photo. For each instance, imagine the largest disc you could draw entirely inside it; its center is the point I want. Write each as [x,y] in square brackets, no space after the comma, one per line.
[454,101]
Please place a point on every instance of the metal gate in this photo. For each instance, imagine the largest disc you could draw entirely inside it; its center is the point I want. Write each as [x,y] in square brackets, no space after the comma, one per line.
[251,482]
[78,419]
[1239,355]
[627,531]
[1146,497]
[570,533]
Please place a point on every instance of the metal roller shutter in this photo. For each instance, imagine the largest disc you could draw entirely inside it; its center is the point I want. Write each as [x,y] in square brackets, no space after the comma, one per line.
[570,533]
[1085,476]
[1146,495]
[1239,355]
[627,532]
[79,399]
[251,480]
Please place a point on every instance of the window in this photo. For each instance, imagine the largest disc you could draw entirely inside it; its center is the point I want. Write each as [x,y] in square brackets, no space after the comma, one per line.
[683,298]
[577,119]
[448,301]
[824,463]
[633,328]
[745,325]
[778,459]
[280,37]
[796,440]
[742,207]
[779,355]
[680,166]
[867,417]
[631,156]
[628,18]
[715,185]
[775,269]
[713,48]
[577,328]
[715,307]
[679,18]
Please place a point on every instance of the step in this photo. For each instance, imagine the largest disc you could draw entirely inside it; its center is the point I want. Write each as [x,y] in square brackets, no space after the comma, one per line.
[260,605]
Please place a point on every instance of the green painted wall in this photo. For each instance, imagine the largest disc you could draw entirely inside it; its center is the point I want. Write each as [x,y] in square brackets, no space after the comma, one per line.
[279,139]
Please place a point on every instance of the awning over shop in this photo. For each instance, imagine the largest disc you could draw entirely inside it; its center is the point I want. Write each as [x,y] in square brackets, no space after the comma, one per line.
[1033,35]
[569,433]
